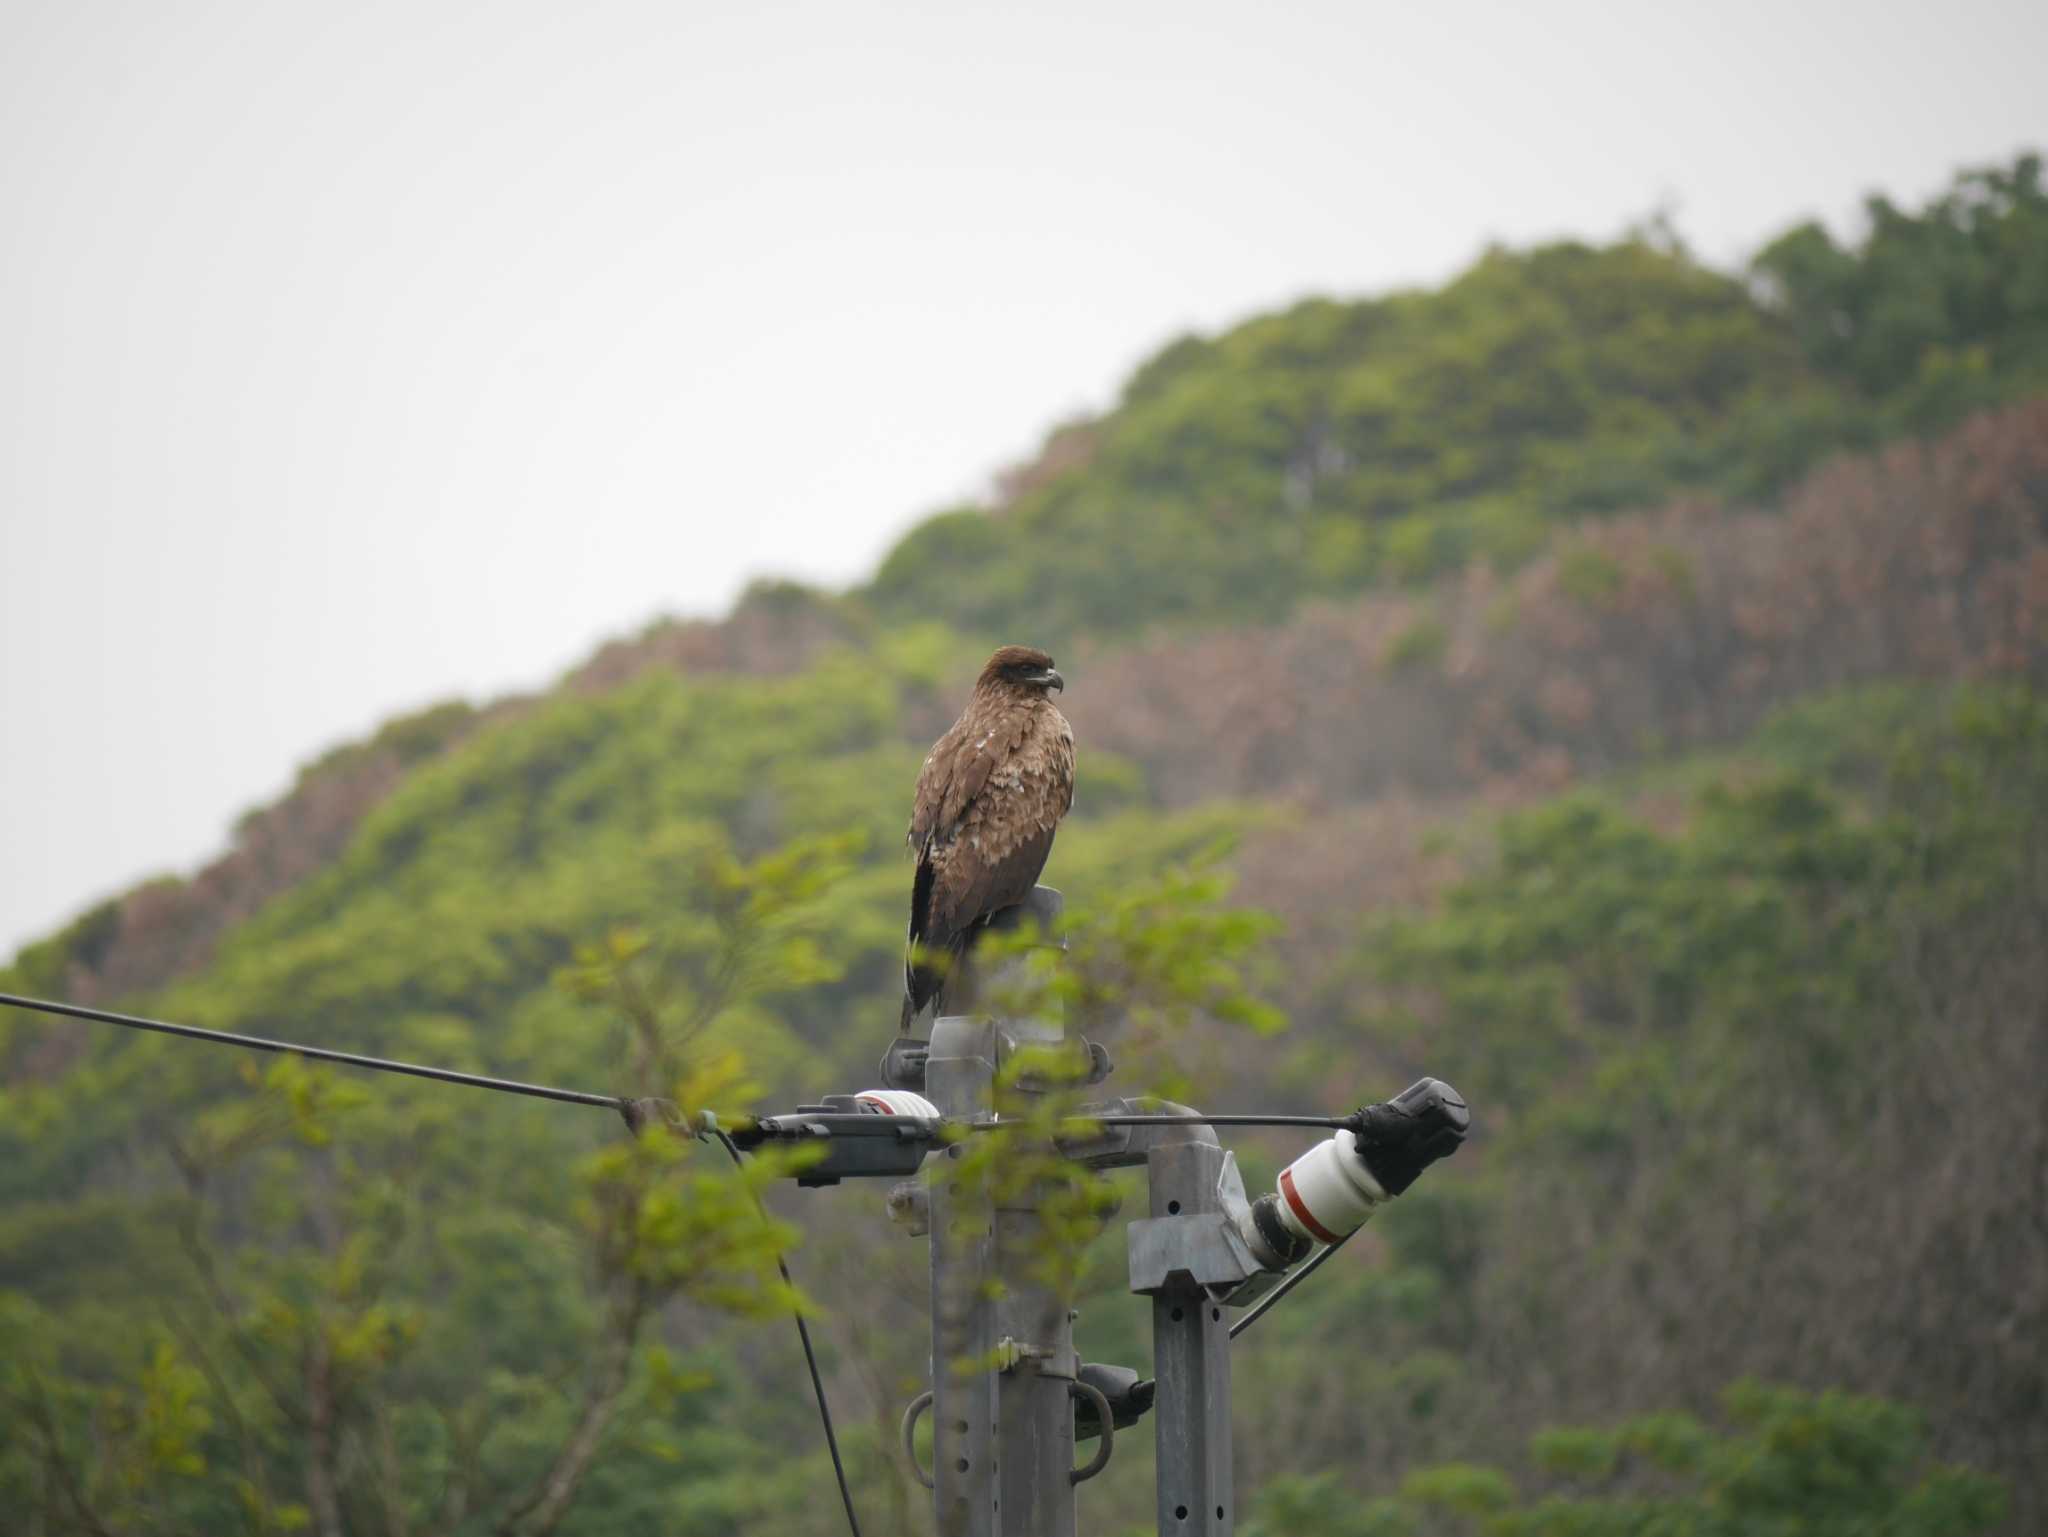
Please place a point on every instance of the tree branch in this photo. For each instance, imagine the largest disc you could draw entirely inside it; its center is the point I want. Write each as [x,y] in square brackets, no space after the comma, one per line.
[57,1465]
[543,1508]
[460,1482]
[321,1498]
[187,1226]
[245,1438]
[389,1481]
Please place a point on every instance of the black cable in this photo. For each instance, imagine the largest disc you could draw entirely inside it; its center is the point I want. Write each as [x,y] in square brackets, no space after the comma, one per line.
[543,1091]
[467,1080]
[1322,1122]
[615,1102]
[319,1053]
[1287,1286]
[810,1356]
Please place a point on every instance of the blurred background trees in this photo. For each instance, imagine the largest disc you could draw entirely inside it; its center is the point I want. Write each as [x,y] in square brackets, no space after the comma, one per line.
[1607,683]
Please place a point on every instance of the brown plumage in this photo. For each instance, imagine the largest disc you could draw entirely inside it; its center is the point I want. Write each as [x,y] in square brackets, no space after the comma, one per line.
[989,799]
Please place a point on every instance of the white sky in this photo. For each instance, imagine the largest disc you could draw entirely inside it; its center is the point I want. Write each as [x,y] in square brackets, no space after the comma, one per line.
[356,356]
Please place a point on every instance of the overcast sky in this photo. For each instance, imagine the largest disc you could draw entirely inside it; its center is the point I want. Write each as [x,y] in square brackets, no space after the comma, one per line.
[354,356]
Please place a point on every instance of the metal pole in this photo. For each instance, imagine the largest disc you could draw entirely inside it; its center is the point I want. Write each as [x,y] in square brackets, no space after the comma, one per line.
[959,1079]
[1035,1335]
[1003,1439]
[1190,1353]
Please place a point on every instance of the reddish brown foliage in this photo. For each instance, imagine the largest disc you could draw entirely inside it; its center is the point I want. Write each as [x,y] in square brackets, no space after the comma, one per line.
[773,631]
[168,928]
[1069,446]
[1662,630]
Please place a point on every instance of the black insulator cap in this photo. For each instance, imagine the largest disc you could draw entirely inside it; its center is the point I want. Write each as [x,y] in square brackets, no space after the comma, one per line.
[1401,1137]
[1280,1238]
[1128,1396]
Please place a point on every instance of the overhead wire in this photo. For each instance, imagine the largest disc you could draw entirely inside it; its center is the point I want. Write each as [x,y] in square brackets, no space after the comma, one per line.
[467,1080]
[320,1053]
[611,1102]
[624,1107]
[1193,1118]
[803,1333]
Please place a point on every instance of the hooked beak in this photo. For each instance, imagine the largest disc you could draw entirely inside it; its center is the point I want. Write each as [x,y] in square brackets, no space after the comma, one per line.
[1050,678]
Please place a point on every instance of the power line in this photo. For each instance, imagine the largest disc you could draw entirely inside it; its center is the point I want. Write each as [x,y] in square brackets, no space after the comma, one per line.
[803,1333]
[622,1106]
[612,1102]
[1320,1122]
[321,1054]
[466,1080]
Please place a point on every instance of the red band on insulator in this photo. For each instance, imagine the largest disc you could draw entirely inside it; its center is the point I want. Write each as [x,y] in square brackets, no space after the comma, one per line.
[1294,1204]
[880,1104]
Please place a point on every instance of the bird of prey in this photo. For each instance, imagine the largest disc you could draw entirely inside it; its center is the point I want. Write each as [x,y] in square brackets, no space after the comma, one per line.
[989,799]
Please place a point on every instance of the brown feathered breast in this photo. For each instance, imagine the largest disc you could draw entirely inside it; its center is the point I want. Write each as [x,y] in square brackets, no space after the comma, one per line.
[989,799]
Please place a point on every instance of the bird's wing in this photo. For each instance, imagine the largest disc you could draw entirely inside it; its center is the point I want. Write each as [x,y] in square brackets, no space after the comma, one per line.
[931,789]
[956,771]
[1005,830]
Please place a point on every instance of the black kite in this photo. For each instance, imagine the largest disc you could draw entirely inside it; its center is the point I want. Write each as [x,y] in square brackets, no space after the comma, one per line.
[989,799]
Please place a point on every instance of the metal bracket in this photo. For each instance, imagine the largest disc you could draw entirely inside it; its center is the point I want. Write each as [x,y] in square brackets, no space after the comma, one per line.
[1091,1066]
[854,1144]
[902,1065]
[1205,1248]
[1093,1395]
[1012,1353]
[918,1405]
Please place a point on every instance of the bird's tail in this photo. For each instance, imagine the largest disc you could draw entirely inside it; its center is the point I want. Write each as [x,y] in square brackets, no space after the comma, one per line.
[921,985]
[924,976]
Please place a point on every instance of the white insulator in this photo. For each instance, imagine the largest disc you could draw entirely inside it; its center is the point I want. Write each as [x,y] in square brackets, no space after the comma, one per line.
[897,1102]
[1327,1192]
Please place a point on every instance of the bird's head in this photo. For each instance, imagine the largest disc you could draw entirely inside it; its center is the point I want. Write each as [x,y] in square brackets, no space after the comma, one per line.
[1021,669]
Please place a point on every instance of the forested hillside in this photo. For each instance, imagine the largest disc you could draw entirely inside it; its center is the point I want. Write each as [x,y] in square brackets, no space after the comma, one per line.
[1619,685]
[1343,444]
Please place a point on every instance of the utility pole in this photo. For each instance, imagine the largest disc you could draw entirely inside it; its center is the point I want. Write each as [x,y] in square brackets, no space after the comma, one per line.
[1010,1399]
[1190,1335]
[1002,1438]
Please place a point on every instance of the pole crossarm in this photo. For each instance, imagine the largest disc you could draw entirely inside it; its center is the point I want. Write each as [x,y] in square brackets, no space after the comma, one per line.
[1010,1399]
